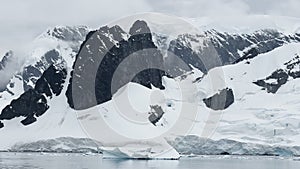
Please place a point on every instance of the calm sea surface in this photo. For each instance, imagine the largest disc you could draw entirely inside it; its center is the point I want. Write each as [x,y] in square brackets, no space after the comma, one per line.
[79,161]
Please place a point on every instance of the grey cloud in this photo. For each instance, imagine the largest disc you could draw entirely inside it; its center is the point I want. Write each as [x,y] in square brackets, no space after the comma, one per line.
[23,20]
[198,8]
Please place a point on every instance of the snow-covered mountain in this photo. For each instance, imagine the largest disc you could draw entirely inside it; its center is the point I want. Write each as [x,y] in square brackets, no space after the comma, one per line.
[243,87]
[53,50]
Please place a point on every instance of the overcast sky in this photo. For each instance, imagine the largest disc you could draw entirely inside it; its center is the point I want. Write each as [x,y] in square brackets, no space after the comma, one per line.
[23,20]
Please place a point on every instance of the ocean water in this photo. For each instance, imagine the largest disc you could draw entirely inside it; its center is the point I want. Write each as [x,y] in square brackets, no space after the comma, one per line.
[80,161]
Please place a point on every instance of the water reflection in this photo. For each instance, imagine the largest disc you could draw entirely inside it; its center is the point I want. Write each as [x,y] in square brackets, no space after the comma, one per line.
[78,161]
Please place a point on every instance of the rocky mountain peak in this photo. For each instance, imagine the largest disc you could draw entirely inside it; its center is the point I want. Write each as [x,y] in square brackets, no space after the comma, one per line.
[68,33]
[139,27]
[112,45]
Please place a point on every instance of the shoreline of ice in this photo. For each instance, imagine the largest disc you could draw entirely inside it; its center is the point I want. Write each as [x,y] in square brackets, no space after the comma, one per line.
[185,146]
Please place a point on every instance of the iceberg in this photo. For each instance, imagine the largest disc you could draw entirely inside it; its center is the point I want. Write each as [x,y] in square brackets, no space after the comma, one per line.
[124,153]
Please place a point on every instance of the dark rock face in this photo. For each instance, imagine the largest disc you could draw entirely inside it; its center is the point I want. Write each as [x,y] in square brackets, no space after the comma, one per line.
[32,73]
[33,102]
[51,81]
[140,39]
[248,55]
[293,67]
[28,105]
[281,76]
[204,58]
[156,114]
[221,100]
[218,48]
[100,57]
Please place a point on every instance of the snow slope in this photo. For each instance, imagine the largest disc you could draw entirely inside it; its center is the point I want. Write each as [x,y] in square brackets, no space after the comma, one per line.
[257,116]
